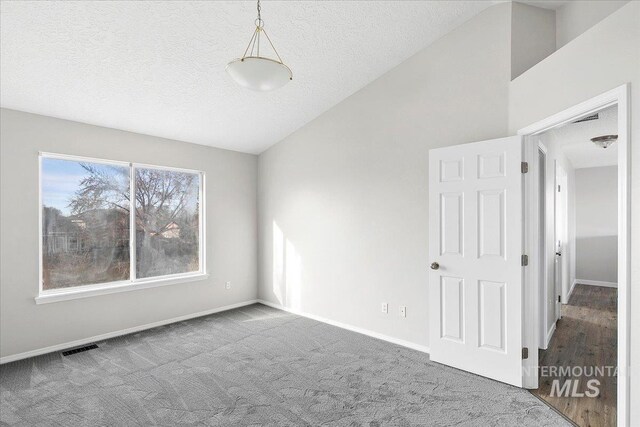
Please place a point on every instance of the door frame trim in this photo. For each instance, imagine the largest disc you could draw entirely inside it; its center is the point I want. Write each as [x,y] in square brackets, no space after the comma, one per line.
[619,96]
[542,244]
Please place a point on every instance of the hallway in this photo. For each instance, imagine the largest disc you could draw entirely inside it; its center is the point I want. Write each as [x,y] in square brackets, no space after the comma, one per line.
[585,337]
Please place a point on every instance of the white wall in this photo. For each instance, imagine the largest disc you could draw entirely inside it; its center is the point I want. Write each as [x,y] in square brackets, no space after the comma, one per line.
[231,233]
[577,16]
[344,201]
[556,156]
[527,49]
[597,224]
[602,58]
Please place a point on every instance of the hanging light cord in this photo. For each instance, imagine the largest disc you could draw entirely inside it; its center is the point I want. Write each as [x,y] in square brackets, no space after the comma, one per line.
[254,43]
[259,9]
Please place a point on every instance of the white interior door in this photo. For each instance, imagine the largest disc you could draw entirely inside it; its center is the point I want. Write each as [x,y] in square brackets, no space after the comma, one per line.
[475,244]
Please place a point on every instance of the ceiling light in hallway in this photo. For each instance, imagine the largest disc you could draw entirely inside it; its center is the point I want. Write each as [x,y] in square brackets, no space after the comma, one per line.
[605,140]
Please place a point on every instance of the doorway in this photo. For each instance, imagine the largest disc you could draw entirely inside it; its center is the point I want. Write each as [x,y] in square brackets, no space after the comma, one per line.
[578,316]
[487,288]
[580,324]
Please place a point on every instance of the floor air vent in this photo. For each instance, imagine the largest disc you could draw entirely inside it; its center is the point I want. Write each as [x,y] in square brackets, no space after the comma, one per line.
[79,350]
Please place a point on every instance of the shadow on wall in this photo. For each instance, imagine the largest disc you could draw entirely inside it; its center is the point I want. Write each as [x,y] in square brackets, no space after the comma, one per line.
[287,271]
[597,258]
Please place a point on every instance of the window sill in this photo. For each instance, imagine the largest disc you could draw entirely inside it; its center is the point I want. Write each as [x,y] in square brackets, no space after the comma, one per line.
[78,292]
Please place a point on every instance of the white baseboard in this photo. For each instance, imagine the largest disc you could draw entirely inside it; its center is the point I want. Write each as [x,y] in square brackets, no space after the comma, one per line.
[550,332]
[573,286]
[596,283]
[356,329]
[84,341]
[102,337]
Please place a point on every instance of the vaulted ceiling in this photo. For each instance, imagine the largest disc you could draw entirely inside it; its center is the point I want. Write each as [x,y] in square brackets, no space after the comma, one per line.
[158,68]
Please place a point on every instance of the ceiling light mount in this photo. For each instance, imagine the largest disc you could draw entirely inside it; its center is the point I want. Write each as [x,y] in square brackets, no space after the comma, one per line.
[257,72]
[604,141]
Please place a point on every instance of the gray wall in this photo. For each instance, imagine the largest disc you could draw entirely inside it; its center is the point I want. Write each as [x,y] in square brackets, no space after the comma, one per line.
[527,50]
[577,16]
[231,233]
[597,224]
[344,201]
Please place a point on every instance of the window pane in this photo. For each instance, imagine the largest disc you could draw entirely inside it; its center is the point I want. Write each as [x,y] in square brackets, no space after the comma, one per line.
[167,222]
[85,223]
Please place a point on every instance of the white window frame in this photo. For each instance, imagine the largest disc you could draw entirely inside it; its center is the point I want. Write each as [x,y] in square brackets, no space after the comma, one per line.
[133,283]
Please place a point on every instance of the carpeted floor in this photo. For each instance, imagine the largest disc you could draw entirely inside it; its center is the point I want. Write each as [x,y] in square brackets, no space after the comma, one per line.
[256,366]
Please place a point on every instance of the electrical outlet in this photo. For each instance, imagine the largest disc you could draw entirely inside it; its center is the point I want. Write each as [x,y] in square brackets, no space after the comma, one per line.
[385,308]
[227,285]
[403,311]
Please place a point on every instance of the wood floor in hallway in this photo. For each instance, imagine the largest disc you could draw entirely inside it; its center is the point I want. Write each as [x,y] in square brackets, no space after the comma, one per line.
[586,337]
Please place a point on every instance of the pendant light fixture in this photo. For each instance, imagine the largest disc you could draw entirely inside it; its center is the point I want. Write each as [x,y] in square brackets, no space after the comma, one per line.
[257,72]
[605,140]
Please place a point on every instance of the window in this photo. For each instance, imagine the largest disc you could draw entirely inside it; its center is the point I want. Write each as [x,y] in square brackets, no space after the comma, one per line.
[88,241]
[167,222]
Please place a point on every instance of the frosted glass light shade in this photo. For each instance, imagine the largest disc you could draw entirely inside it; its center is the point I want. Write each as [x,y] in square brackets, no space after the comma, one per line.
[257,73]
[605,140]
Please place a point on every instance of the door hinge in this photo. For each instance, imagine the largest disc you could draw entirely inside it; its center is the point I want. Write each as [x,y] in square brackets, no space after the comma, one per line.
[524,167]
[558,188]
[559,298]
[525,353]
[524,260]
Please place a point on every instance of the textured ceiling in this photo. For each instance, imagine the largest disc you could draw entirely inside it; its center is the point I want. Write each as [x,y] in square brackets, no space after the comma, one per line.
[158,67]
[574,140]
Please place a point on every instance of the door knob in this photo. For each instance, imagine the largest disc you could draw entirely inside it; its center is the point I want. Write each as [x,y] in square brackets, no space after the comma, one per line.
[435,266]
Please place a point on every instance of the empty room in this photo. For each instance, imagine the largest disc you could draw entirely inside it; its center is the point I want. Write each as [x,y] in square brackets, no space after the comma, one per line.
[305,213]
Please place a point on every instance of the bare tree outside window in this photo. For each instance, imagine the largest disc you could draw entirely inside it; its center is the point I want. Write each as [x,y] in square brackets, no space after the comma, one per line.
[167,222]
[86,220]
[85,224]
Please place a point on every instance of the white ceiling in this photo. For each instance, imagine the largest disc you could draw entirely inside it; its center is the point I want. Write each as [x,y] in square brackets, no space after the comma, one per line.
[574,140]
[158,68]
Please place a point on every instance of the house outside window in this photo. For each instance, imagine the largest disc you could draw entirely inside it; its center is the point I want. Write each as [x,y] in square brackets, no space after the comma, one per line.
[87,212]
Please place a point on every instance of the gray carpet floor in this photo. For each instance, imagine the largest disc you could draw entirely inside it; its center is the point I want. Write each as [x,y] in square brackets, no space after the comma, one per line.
[256,366]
